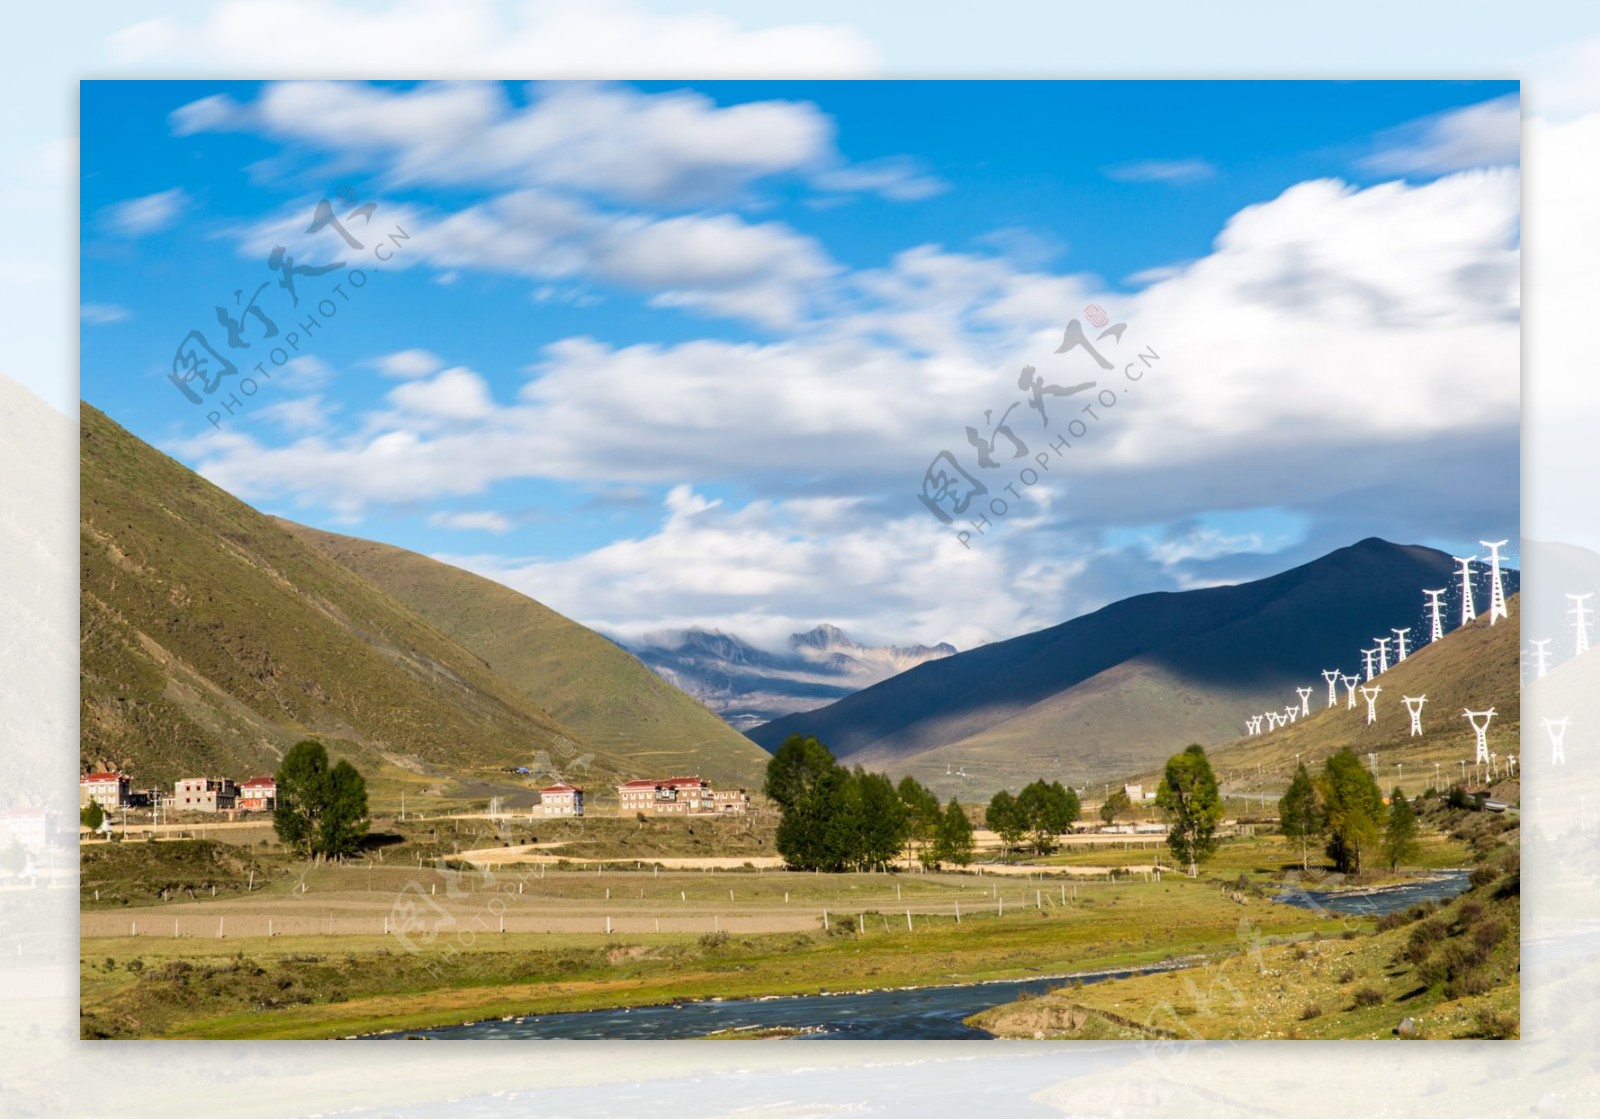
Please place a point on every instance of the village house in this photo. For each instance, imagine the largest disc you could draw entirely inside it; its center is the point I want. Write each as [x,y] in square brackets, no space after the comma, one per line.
[561,800]
[730,801]
[259,795]
[677,797]
[108,788]
[204,795]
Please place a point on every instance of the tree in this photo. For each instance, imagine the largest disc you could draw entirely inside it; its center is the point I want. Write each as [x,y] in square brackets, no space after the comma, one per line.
[1188,792]
[923,816]
[1115,804]
[1300,815]
[795,770]
[1049,809]
[344,815]
[91,816]
[1400,835]
[880,825]
[1006,818]
[321,811]
[1354,809]
[833,819]
[952,841]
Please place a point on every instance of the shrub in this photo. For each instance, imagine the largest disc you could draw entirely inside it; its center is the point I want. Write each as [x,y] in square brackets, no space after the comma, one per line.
[1310,1011]
[1486,935]
[1473,983]
[1429,932]
[175,971]
[1493,1025]
[1469,911]
[714,940]
[1368,996]
[1347,976]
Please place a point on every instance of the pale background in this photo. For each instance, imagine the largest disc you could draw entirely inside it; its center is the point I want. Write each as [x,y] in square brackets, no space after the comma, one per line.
[1553,48]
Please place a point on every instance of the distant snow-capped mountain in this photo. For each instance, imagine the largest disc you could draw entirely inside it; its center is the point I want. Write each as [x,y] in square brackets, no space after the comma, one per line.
[748,686]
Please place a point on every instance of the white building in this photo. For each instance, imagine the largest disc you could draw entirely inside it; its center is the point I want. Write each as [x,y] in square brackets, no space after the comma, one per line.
[561,800]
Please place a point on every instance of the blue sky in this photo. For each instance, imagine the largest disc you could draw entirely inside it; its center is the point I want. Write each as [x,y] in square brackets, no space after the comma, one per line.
[668,355]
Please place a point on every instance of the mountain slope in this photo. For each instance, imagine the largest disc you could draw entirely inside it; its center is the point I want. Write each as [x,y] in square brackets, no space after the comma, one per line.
[1114,690]
[1474,666]
[599,690]
[748,686]
[212,638]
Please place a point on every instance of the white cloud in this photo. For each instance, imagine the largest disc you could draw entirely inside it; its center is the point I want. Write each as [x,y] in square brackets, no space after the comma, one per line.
[486,521]
[1488,134]
[1384,313]
[1160,171]
[766,272]
[1339,351]
[217,113]
[453,395]
[303,373]
[897,178]
[409,363]
[409,39]
[148,214]
[100,314]
[769,569]
[299,415]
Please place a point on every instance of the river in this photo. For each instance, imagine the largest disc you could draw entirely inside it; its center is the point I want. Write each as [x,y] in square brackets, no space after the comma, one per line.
[1378,901]
[912,1013]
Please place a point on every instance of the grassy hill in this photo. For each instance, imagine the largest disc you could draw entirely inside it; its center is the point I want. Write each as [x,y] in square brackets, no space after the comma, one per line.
[589,683]
[212,638]
[1474,666]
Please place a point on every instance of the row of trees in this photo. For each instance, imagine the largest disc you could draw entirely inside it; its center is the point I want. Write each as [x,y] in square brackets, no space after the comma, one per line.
[1343,808]
[839,819]
[1040,813]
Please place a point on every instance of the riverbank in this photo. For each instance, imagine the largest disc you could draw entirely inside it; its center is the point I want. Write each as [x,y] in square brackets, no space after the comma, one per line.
[1449,970]
[321,987]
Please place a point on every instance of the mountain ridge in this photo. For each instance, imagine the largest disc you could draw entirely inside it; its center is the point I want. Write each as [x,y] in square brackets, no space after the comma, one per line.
[1112,688]
[747,685]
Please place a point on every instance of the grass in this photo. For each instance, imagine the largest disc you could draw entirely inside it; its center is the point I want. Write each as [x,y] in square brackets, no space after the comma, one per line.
[315,986]
[1454,969]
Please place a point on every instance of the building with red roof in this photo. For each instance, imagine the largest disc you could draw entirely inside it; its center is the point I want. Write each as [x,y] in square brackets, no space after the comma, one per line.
[107,787]
[258,795]
[561,800]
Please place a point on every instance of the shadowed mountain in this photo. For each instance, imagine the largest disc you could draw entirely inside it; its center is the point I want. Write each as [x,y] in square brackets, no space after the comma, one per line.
[212,638]
[748,686]
[1112,691]
[599,690]
[1473,666]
